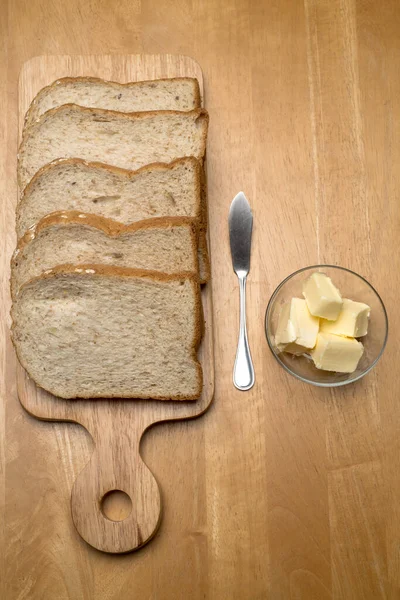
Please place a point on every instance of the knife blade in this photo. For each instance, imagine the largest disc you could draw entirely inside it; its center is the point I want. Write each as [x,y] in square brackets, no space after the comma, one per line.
[240,230]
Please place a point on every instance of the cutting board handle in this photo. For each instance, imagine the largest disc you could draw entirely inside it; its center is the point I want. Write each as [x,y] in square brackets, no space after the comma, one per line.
[116,465]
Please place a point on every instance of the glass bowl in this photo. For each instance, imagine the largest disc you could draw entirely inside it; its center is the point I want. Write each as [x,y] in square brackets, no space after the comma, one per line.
[351,286]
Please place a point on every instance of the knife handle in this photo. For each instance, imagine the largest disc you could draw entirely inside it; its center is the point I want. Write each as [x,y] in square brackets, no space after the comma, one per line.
[243,371]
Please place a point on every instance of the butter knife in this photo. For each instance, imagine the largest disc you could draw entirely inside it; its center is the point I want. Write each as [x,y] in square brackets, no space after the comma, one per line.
[240,229]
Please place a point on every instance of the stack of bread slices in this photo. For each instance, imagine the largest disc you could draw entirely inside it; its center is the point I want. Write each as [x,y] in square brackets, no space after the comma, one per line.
[112,249]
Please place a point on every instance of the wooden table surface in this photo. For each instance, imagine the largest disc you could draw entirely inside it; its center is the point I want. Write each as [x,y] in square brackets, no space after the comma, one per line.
[286,491]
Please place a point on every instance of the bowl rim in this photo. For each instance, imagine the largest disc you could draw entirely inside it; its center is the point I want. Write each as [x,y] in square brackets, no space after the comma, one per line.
[305,379]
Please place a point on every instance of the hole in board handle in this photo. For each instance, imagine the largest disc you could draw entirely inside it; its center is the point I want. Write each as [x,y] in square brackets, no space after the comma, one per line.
[116,505]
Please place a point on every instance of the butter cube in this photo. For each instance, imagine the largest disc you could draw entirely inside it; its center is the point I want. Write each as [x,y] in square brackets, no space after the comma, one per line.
[352,320]
[297,329]
[296,349]
[322,297]
[336,353]
[285,332]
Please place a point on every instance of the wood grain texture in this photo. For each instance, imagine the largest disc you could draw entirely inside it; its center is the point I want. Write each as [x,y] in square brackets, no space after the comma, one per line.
[284,492]
[116,427]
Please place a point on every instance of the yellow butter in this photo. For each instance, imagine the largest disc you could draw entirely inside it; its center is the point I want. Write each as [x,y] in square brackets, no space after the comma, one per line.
[337,353]
[322,297]
[352,320]
[296,349]
[285,332]
[297,329]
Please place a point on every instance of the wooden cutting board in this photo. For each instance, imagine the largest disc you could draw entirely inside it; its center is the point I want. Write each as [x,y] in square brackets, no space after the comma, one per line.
[116,426]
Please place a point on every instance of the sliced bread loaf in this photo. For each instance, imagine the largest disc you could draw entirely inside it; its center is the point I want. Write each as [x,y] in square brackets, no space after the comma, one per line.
[181,93]
[127,140]
[156,190]
[100,331]
[167,244]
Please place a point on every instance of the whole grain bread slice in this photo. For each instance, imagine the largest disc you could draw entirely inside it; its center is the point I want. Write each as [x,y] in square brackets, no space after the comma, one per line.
[126,140]
[179,93]
[167,244]
[156,190]
[99,331]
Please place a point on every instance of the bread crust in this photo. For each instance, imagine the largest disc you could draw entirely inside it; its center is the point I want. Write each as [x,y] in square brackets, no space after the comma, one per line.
[32,113]
[95,270]
[206,266]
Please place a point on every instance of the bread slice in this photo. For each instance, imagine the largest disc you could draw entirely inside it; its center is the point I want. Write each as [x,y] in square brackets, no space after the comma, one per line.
[167,244]
[126,140]
[156,190]
[180,93]
[108,332]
